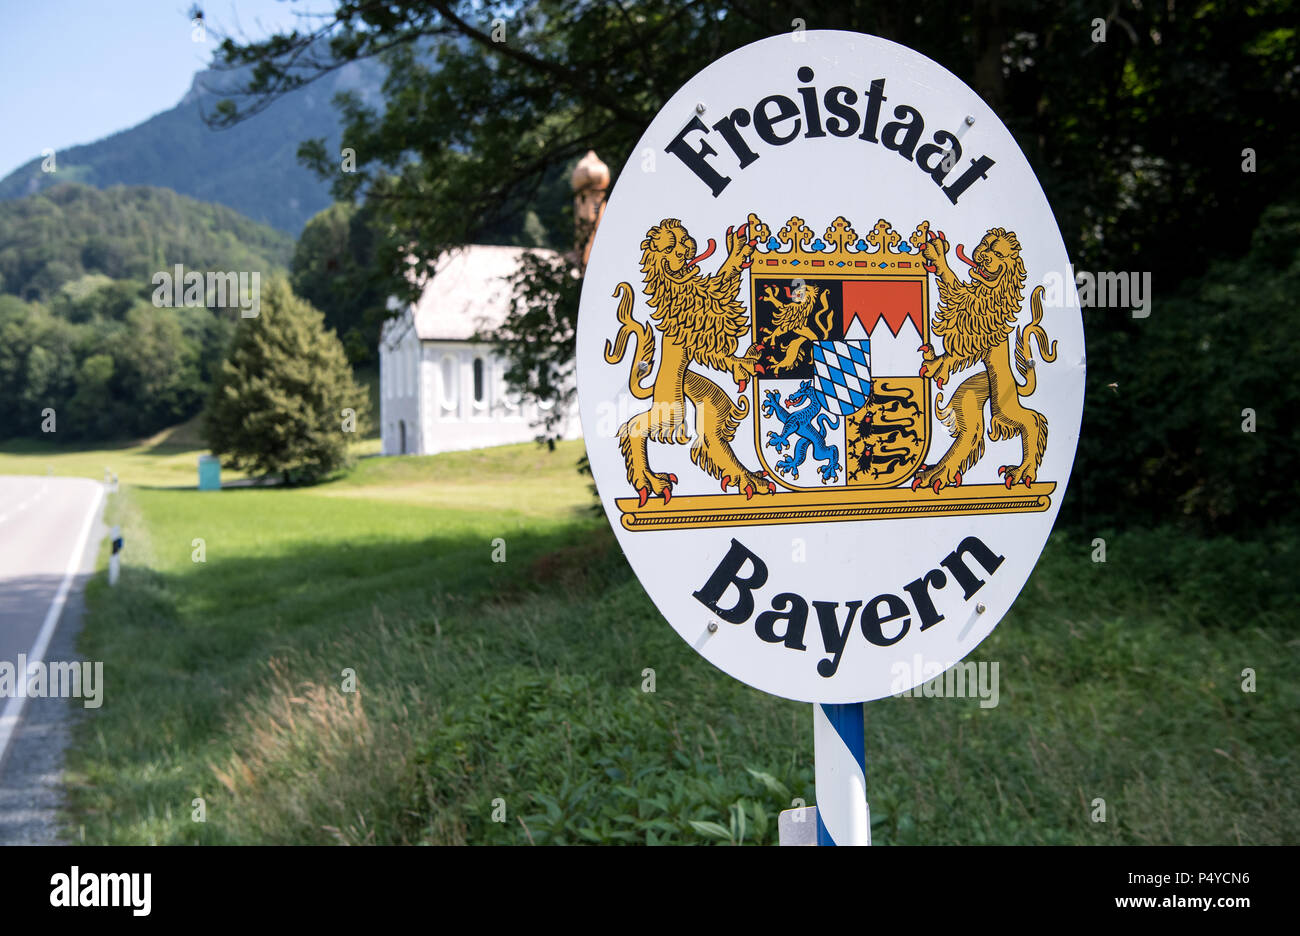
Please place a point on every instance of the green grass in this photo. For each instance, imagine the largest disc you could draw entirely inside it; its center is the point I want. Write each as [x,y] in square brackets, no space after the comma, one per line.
[517,685]
[168,459]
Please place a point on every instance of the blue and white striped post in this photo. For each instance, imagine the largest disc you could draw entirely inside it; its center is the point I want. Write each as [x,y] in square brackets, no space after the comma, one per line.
[839,750]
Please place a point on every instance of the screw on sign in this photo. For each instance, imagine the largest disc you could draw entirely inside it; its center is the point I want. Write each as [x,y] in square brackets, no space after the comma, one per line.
[823,312]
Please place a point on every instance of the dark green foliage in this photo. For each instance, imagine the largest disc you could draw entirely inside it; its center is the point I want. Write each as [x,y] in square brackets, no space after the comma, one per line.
[127,234]
[1163,426]
[280,400]
[108,363]
[96,296]
[334,270]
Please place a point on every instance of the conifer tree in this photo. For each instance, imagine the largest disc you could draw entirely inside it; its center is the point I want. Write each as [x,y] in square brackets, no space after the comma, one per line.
[284,401]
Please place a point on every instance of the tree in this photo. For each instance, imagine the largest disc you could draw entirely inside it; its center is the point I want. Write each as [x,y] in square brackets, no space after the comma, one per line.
[333,269]
[90,406]
[485,100]
[1157,131]
[284,401]
[157,372]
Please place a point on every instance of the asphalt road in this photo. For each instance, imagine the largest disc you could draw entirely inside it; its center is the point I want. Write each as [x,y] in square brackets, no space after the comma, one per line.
[49,535]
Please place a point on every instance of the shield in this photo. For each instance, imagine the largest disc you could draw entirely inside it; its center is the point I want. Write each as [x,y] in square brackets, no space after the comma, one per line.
[840,321]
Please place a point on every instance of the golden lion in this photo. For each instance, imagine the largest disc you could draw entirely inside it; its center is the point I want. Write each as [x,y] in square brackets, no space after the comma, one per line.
[975,321]
[796,318]
[701,321]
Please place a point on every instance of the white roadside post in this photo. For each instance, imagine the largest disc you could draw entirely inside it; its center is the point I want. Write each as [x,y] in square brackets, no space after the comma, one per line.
[114,561]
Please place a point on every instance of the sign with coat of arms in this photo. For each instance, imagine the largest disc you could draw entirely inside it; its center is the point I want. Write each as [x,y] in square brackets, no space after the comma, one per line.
[825,406]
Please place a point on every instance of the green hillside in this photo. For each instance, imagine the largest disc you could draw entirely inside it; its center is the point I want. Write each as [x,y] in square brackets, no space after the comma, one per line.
[125,233]
[81,339]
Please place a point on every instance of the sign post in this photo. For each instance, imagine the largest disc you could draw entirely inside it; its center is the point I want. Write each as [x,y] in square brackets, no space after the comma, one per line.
[839,750]
[831,370]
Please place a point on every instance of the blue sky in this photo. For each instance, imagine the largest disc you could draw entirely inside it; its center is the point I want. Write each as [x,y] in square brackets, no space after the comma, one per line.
[74,71]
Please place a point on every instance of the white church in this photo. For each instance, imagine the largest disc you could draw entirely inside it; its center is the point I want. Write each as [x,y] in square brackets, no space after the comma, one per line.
[440,389]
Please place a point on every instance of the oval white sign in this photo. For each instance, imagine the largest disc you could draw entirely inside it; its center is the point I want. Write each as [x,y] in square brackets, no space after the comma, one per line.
[830,366]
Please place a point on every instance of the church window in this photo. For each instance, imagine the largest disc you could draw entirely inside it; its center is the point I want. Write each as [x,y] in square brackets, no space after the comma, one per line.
[480,383]
[448,369]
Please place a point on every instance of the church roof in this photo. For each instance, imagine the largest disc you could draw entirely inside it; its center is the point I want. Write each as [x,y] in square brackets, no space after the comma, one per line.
[469,292]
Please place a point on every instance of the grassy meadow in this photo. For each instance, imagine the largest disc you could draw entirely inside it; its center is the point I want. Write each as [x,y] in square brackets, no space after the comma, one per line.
[168,459]
[503,702]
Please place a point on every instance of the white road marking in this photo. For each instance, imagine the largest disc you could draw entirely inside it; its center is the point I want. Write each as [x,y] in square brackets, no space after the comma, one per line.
[13,710]
[25,503]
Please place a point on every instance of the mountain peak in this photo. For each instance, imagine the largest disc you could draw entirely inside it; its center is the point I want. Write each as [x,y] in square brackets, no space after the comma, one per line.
[251,167]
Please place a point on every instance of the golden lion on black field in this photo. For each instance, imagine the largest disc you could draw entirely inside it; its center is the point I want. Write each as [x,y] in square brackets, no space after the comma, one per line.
[798,321]
[975,321]
[701,321]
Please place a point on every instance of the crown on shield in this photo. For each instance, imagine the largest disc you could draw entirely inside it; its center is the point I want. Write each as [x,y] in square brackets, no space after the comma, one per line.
[882,251]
